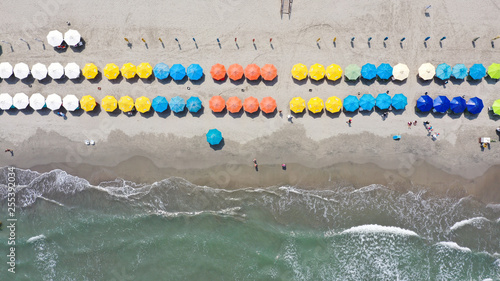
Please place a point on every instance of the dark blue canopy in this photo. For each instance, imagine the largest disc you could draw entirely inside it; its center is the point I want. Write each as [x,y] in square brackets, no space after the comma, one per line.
[475,105]
[457,105]
[424,103]
[441,104]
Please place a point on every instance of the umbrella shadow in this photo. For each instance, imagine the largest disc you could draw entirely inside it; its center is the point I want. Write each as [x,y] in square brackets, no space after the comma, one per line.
[270,115]
[199,81]
[12,111]
[383,81]
[423,82]
[60,51]
[420,113]
[12,79]
[439,81]
[236,114]
[96,111]
[181,114]
[350,113]
[164,114]
[299,82]
[220,114]
[237,82]
[148,80]
[182,81]
[490,80]
[399,82]
[316,115]
[493,116]
[438,115]
[471,116]
[164,81]
[77,112]
[117,80]
[198,113]
[45,80]
[148,114]
[299,114]
[454,115]
[218,146]
[80,48]
[398,111]
[114,113]
[133,80]
[333,83]
[473,82]
[44,111]
[96,79]
[270,83]
[333,115]
[253,114]
[28,80]
[455,81]
[254,82]
[367,82]
[78,80]
[61,80]
[351,82]
[220,82]
[316,82]
[366,112]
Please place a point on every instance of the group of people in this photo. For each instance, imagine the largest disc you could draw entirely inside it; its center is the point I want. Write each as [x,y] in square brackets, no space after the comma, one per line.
[256,166]
[430,129]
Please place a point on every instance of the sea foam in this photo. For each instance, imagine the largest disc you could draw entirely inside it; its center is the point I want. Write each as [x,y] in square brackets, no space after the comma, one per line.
[476,222]
[35,238]
[375,228]
[454,245]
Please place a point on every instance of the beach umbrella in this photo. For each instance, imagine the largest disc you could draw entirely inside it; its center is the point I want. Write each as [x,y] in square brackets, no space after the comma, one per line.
[351,103]
[495,107]
[144,70]
[475,105]
[177,104]
[159,104]
[87,103]
[39,71]
[268,105]
[90,71]
[443,71]
[252,72]
[369,71]
[268,72]
[55,38]
[399,101]
[21,70]
[194,72]
[315,105]
[459,71]
[214,137]
[384,71]
[217,104]
[494,71]
[53,102]
[297,105]
[218,72]
[71,102]
[20,101]
[177,72]
[299,71]
[161,71]
[441,104]
[251,105]
[193,104]
[234,104]
[109,103]
[142,104]
[333,72]
[111,71]
[126,103]
[457,105]
[72,70]
[6,70]
[55,70]
[235,72]
[5,101]
[72,37]
[317,72]
[424,103]
[367,102]
[426,71]
[477,71]
[37,101]
[128,70]
[352,72]
[333,104]
[400,72]
[383,101]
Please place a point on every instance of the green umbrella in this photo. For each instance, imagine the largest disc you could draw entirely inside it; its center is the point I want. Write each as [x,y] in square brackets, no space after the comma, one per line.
[496,107]
[352,72]
[494,71]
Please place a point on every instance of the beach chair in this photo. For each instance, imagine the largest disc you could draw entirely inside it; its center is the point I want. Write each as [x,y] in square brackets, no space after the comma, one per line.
[286,7]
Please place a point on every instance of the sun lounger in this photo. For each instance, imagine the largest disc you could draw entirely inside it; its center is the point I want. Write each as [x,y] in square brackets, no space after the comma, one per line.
[286,7]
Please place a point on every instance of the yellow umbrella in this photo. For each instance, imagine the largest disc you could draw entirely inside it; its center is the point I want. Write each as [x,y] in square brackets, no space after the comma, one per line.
[87,103]
[111,71]
[333,72]
[144,70]
[109,103]
[317,71]
[297,104]
[333,104]
[89,71]
[315,105]
[126,104]
[299,71]
[142,104]
[128,70]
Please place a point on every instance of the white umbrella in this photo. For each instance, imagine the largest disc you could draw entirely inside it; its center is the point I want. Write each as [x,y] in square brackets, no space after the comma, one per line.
[426,71]
[56,70]
[37,101]
[400,72]
[5,101]
[71,102]
[39,71]
[5,70]
[72,37]
[21,70]
[72,70]
[20,101]
[53,102]
[55,38]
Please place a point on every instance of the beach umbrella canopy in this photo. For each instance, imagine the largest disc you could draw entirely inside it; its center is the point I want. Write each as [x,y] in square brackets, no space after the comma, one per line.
[6,70]
[71,103]
[384,71]
[111,71]
[161,71]
[109,103]
[457,105]
[496,107]
[177,72]
[72,70]
[369,71]
[177,104]
[333,72]
[21,70]
[426,71]
[39,71]
[459,71]
[352,72]
[251,104]
[475,105]
[441,104]
[252,72]
[5,101]
[218,72]
[194,72]
[297,105]
[477,71]
[55,70]
[72,37]
[235,72]
[494,71]
[367,102]
[87,103]
[351,103]
[383,101]
[315,105]
[53,102]
[126,103]
[193,104]
[268,72]
[159,104]
[424,103]
[217,104]
[268,105]
[214,137]
[234,104]
[142,104]
[128,70]
[90,71]
[20,101]
[299,71]
[443,71]
[333,104]
[317,72]
[37,101]
[400,71]
[399,101]
[144,70]
[55,38]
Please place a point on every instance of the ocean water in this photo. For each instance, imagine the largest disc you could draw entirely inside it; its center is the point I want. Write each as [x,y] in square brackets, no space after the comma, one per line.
[68,229]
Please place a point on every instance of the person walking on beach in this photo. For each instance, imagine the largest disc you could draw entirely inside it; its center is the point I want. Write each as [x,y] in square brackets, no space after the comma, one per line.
[349,122]
[415,123]
[409,125]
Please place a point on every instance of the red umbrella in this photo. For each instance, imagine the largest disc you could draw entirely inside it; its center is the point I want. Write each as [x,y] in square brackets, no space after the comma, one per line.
[217,104]
[233,104]
[218,72]
[268,105]
[252,72]
[251,104]
[268,72]
[235,72]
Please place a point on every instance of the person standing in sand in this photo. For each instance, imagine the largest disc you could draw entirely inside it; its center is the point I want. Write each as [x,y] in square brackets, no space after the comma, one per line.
[409,125]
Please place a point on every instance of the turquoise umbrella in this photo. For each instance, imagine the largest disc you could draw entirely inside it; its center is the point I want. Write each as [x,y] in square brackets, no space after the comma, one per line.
[383,101]
[369,71]
[194,71]
[193,104]
[477,71]
[214,137]
[159,104]
[367,102]
[161,70]
[351,103]
[384,71]
[177,104]
[177,72]
[443,71]
[459,71]
[399,101]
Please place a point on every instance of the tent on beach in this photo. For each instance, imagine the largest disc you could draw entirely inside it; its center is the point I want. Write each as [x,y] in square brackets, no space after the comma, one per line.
[475,105]
[333,104]
[333,72]
[217,104]
[351,103]
[37,101]
[159,104]
[383,101]
[161,71]
[268,105]
[459,71]
[70,103]
[53,101]
[315,105]
[441,104]
[177,104]
[193,104]
[214,137]
[126,103]
[317,71]
[384,71]
[251,105]
[299,71]
[234,104]
[218,72]
[268,72]
[177,72]
[457,105]
[109,103]
[369,71]
[235,72]
[252,72]
[194,72]
[352,72]
[297,105]
[142,104]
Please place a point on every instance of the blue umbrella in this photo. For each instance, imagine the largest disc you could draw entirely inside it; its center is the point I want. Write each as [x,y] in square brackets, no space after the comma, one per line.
[369,71]
[457,105]
[367,102]
[477,71]
[475,105]
[161,70]
[383,101]
[193,104]
[399,101]
[159,104]
[441,104]
[177,104]
[351,103]
[177,72]
[214,137]
[194,71]
[384,71]
[443,71]
[424,103]
[459,71]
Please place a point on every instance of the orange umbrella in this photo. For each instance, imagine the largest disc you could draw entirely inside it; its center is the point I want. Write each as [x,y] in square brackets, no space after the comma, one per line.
[268,72]
[217,104]
[251,104]
[235,72]
[268,105]
[233,104]
[218,72]
[252,72]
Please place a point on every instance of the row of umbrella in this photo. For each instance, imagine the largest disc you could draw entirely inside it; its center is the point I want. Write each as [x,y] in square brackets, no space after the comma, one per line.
[457,105]
[443,71]
[71,37]
[235,104]
[352,72]
[40,71]
[252,72]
